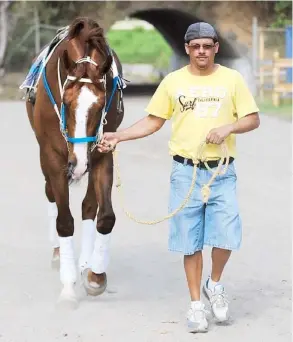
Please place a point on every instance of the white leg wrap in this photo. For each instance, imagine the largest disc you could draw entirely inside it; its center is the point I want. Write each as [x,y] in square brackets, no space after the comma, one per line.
[100,256]
[67,260]
[52,214]
[87,243]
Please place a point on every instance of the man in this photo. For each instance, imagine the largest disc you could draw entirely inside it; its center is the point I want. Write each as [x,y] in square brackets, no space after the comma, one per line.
[207,102]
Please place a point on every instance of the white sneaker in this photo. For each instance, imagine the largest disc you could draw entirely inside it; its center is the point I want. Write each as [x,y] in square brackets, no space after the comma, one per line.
[197,318]
[219,301]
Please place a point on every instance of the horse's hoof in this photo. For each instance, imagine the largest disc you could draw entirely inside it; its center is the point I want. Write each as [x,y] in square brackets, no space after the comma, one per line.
[91,287]
[67,300]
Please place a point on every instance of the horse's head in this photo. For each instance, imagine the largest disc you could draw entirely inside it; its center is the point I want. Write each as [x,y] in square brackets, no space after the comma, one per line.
[86,61]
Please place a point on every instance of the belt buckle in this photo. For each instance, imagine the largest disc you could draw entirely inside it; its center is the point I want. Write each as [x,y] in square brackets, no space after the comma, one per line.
[185,161]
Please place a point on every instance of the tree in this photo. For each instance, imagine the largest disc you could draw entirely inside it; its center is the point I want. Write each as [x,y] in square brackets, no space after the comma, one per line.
[283,14]
[3,33]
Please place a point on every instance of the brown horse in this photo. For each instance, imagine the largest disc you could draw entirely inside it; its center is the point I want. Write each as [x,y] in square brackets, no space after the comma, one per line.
[78,94]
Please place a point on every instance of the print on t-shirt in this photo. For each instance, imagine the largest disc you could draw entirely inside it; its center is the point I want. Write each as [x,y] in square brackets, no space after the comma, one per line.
[202,100]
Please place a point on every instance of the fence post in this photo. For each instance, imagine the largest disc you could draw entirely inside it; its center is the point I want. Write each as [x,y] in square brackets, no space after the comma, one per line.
[261,59]
[37,32]
[289,52]
[255,68]
[275,94]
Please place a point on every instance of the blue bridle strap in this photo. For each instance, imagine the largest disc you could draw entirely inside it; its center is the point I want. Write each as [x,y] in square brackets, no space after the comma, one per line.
[115,83]
[81,140]
[63,116]
[48,90]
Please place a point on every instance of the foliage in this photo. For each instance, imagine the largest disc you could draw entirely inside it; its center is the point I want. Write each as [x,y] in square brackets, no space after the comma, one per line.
[140,46]
[283,14]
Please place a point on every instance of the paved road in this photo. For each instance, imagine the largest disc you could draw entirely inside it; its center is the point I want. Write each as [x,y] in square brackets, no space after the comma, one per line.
[147,297]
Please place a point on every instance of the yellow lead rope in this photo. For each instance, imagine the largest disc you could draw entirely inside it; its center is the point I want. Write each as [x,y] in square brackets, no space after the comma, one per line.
[205,189]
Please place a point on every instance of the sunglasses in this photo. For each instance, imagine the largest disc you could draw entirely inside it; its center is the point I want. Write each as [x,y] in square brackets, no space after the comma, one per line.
[204,46]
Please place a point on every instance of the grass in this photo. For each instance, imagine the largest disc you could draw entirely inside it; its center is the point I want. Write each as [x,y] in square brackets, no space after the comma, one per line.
[284,111]
[140,46]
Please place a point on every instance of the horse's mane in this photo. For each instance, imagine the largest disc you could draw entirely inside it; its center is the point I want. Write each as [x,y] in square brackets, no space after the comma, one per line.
[88,31]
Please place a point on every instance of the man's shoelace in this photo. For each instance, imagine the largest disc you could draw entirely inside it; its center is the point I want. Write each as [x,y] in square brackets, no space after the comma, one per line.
[220,299]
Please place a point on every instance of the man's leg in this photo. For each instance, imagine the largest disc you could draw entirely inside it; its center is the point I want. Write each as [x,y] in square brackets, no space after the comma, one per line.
[223,233]
[219,260]
[193,269]
[187,236]
[213,289]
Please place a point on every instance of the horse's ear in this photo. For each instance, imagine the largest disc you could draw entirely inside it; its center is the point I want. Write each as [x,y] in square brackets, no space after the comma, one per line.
[76,27]
[68,63]
[107,64]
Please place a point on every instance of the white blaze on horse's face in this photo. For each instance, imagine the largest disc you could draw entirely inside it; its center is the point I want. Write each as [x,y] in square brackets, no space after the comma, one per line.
[85,100]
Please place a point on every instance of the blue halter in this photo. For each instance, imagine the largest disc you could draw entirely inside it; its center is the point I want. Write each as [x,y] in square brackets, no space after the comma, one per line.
[116,80]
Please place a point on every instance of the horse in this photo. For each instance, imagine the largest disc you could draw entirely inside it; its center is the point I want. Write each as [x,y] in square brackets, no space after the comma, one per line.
[79,94]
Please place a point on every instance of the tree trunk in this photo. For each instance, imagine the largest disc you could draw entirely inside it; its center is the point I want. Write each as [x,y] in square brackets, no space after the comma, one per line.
[3,34]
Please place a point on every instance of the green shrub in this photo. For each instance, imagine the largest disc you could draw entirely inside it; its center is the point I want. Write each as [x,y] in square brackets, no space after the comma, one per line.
[140,46]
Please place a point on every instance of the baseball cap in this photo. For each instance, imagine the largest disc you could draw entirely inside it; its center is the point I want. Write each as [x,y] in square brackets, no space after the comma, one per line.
[200,30]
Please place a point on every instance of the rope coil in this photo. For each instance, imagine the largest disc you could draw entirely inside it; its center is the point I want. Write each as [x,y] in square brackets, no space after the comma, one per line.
[205,191]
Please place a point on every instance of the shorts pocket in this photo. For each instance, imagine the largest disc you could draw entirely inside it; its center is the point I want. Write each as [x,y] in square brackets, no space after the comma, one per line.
[175,169]
[230,173]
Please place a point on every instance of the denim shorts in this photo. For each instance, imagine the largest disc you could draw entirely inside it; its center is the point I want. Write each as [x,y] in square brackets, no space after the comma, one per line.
[216,223]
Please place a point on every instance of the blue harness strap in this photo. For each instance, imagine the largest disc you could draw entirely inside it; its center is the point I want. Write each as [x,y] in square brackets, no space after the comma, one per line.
[81,140]
[63,114]
[48,90]
[115,83]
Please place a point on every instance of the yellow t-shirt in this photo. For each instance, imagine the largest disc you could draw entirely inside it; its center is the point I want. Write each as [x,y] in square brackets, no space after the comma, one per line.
[198,104]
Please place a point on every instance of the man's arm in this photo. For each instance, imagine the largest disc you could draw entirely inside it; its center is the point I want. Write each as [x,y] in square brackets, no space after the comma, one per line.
[161,109]
[247,113]
[246,124]
[142,128]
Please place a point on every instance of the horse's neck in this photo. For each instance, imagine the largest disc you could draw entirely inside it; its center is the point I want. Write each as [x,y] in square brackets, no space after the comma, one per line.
[52,70]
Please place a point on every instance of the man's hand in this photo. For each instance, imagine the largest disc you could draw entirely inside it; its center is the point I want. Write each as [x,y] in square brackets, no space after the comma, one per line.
[108,142]
[219,134]
[243,125]
[142,128]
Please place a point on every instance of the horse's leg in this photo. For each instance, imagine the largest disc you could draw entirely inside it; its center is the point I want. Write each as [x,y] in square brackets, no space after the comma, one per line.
[95,278]
[53,235]
[30,113]
[89,212]
[65,229]
[52,214]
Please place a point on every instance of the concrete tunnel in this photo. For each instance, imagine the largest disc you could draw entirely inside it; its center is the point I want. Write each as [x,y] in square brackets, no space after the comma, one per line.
[230,53]
[165,20]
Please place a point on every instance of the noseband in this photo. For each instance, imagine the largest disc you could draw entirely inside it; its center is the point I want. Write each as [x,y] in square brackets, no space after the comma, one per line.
[62,118]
